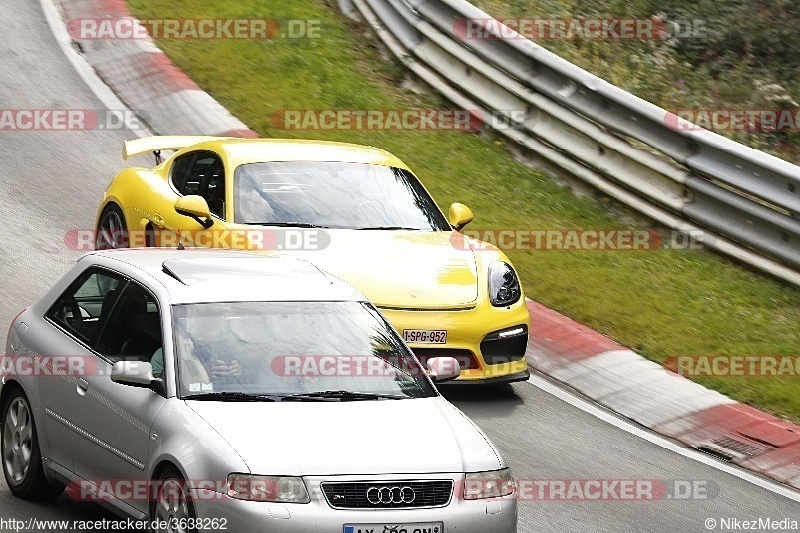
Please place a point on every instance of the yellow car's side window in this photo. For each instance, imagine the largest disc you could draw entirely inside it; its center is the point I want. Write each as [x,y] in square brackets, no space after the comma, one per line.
[201,173]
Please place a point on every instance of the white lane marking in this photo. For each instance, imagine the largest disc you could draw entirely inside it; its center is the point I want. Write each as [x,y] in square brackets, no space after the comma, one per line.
[102,91]
[663,442]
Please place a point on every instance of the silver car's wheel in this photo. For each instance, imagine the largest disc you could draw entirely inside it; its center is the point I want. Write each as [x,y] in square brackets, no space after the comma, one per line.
[173,506]
[111,231]
[17,441]
[19,448]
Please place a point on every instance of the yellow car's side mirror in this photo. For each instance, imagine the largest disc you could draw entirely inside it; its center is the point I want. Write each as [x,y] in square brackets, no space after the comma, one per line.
[460,215]
[196,207]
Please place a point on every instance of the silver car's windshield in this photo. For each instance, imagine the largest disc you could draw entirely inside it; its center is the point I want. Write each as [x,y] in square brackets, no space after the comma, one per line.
[292,348]
[333,195]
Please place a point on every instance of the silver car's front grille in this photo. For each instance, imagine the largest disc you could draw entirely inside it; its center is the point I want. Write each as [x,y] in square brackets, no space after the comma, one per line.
[388,494]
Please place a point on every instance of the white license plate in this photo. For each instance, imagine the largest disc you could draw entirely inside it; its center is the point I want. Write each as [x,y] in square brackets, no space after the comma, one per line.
[416,527]
[429,336]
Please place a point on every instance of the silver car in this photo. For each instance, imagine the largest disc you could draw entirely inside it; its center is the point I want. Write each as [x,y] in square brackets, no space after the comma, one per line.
[214,389]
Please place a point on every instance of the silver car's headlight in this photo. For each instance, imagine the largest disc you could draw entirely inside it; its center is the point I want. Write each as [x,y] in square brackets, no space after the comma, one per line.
[503,284]
[491,484]
[279,489]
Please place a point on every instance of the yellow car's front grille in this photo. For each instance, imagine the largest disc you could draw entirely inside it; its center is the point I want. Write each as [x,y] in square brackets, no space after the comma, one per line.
[466,359]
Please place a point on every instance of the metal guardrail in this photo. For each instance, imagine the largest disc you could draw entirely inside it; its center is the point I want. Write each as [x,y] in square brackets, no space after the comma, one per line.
[737,200]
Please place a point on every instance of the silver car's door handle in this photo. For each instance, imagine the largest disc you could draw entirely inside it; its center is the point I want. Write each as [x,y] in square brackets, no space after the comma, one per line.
[83,386]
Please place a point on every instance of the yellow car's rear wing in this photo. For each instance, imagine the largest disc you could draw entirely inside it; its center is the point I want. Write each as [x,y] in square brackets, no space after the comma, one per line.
[162,142]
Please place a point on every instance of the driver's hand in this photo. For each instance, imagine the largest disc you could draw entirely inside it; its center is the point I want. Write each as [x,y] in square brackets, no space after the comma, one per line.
[219,368]
[235,369]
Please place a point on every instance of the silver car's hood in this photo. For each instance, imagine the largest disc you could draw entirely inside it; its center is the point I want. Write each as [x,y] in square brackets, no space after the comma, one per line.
[362,437]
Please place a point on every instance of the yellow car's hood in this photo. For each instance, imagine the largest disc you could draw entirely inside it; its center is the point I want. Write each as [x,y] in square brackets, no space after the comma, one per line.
[411,269]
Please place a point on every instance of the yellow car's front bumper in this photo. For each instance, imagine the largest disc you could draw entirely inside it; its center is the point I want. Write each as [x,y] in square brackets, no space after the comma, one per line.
[488,342]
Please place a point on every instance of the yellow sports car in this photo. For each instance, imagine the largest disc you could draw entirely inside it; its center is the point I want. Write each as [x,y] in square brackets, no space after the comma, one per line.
[355,211]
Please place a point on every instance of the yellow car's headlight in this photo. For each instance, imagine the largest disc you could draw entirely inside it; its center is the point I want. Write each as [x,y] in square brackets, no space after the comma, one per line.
[504,286]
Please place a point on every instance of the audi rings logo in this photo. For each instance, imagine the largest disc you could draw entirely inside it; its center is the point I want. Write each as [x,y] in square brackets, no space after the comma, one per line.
[390,495]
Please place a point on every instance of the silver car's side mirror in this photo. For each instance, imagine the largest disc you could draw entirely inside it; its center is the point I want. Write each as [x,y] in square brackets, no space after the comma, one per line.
[442,369]
[135,374]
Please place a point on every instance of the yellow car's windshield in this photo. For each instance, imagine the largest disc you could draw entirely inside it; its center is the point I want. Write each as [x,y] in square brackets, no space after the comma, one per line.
[333,195]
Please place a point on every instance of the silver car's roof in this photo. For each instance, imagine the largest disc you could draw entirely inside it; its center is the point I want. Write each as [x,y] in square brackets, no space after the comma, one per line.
[218,275]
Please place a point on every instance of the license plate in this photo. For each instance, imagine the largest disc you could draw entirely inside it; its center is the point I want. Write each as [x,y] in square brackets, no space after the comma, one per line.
[429,336]
[416,527]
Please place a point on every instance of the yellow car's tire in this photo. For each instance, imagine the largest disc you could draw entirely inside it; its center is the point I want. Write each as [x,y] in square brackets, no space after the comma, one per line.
[112,231]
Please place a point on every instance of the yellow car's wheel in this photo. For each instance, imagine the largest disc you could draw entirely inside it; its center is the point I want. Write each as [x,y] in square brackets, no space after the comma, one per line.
[112,232]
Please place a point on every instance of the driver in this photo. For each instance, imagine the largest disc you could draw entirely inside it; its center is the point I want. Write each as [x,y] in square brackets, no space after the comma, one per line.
[194,368]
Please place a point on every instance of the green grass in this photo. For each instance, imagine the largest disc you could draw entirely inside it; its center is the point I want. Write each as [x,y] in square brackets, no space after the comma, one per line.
[662,303]
[747,56]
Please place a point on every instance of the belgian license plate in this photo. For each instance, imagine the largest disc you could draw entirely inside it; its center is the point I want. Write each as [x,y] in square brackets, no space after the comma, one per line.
[415,527]
[430,336]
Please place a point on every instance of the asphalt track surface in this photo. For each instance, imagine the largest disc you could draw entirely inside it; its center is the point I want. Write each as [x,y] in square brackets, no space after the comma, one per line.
[51,182]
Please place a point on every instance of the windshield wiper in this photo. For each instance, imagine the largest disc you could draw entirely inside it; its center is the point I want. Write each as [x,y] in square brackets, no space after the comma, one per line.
[341,395]
[234,397]
[389,228]
[287,224]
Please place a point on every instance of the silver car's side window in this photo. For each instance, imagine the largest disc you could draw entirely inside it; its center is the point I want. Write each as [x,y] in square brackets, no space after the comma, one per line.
[132,328]
[80,309]
[116,317]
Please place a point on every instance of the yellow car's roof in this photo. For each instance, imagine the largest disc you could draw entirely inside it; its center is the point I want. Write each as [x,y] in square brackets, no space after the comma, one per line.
[243,151]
